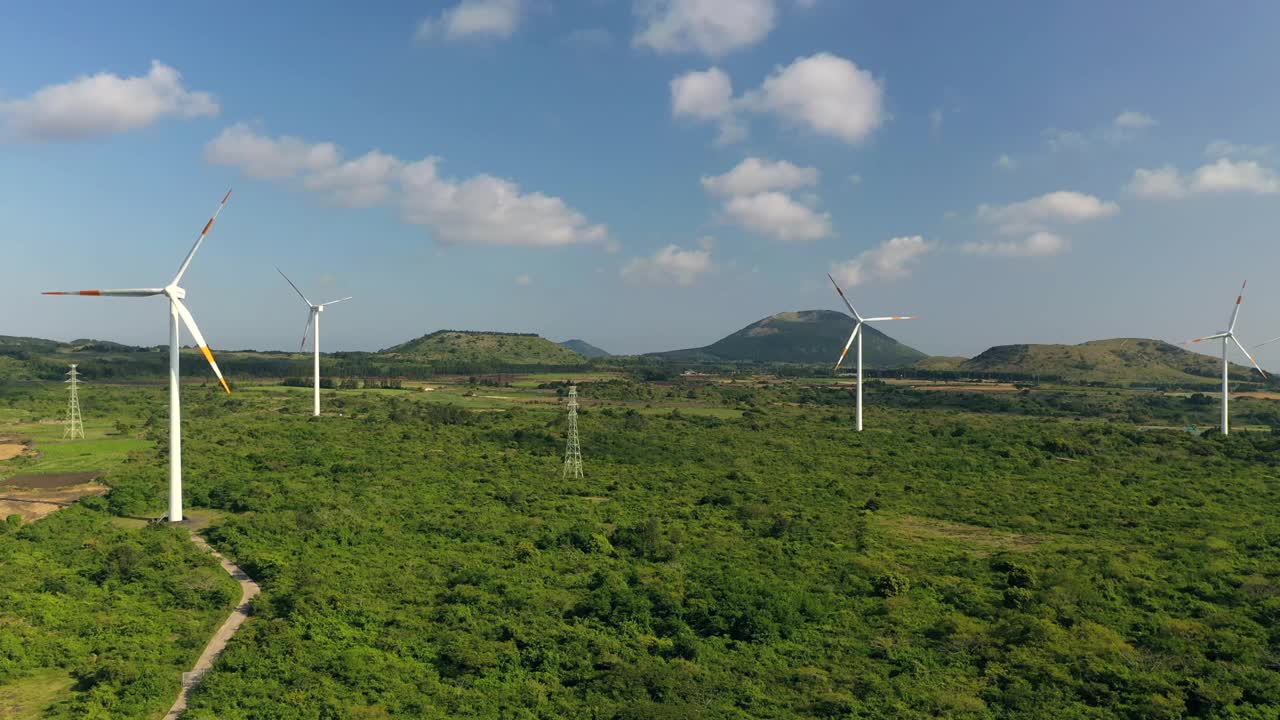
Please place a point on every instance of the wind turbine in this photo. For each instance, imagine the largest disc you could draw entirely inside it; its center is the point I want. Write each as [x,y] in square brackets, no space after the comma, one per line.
[857,332]
[1229,334]
[177,311]
[312,320]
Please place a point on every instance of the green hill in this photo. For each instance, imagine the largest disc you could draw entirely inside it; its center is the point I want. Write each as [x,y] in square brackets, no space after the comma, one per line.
[807,336]
[1120,361]
[485,347]
[585,349]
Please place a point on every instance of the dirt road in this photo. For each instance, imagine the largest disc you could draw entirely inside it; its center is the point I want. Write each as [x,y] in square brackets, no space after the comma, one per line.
[248,588]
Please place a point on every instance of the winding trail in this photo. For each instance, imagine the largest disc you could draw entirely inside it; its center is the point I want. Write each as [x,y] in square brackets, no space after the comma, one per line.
[248,588]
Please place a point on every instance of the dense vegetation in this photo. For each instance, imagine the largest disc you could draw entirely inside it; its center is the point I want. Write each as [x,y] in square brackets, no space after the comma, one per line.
[809,337]
[1024,560]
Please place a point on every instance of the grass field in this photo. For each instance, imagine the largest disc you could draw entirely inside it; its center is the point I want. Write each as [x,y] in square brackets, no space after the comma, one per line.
[26,699]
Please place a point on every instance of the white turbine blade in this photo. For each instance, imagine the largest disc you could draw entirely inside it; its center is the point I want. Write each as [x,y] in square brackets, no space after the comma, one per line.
[1216,336]
[844,352]
[334,302]
[295,287]
[1255,347]
[132,292]
[306,330]
[1246,354]
[890,317]
[204,347]
[203,233]
[845,299]
[1236,312]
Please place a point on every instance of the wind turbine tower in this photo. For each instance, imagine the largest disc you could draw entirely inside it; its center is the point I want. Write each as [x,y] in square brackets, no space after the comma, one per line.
[178,315]
[858,333]
[1229,336]
[75,428]
[573,450]
[313,323]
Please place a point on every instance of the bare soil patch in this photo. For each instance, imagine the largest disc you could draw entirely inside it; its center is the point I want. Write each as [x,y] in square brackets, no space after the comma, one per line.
[11,450]
[33,504]
[1260,394]
[50,481]
[975,387]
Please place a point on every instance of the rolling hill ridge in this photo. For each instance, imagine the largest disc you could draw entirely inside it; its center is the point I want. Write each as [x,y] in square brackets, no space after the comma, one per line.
[513,349]
[1118,361]
[806,336]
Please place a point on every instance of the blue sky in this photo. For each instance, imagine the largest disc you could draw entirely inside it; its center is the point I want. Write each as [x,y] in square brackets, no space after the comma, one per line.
[1010,171]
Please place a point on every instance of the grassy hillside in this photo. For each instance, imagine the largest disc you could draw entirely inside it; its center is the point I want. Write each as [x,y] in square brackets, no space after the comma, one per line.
[807,336]
[1123,361]
[585,349]
[467,346]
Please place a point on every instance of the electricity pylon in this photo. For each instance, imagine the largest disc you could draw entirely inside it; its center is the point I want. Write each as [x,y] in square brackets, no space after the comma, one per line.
[573,451]
[74,427]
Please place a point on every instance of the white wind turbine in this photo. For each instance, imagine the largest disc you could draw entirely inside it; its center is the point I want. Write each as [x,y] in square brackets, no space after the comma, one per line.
[1230,335]
[857,332]
[313,320]
[177,311]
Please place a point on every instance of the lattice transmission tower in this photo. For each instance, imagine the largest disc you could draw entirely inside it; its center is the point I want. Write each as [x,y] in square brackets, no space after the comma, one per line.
[74,427]
[573,450]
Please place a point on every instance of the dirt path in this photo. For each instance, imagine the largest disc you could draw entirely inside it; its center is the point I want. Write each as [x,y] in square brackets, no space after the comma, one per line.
[248,588]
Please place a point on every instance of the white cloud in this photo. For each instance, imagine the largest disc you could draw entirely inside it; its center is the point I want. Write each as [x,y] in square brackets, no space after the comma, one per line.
[705,95]
[1031,215]
[268,158]
[1235,176]
[1221,176]
[754,175]
[1004,162]
[474,18]
[753,199]
[1133,120]
[824,94]
[669,266]
[481,210]
[363,182]
[1162,182]
[524,280]
[892,260]
[1223,148]
[104,104]
[486,210]
[779,216]
[711,27]
[1039,244]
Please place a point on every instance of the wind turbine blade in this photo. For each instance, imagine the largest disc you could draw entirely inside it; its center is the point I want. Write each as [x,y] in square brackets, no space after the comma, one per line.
[845,299]
[132,292]
[1236,312]
[844,352]
[1246,354]
[295,287]
[190,322]
[1216,336]
[1255,347]
[890,317]
[334,302]
[207,227]
[310,316]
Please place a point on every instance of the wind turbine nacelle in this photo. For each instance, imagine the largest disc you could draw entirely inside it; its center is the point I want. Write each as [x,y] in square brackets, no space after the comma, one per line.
[175,292]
